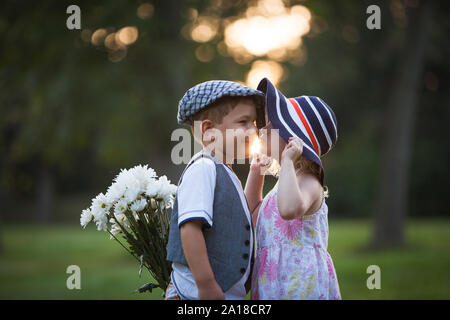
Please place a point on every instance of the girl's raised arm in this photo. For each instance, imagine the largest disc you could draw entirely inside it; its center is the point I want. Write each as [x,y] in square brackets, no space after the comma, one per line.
[293,201]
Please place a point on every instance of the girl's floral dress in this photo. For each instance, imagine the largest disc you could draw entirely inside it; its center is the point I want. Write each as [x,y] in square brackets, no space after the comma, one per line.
[291,260]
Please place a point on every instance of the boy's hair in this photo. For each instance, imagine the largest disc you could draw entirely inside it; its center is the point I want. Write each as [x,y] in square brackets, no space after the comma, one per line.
[217,110]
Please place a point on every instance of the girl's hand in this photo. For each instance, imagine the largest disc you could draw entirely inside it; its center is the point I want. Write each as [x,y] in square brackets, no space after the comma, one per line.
[260,162]
[293,149]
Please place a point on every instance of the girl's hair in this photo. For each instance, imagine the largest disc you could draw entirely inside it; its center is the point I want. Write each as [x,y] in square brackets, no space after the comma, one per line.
[302,165]
[307,166]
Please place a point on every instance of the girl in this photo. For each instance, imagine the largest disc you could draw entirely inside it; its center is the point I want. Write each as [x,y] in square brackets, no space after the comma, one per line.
[291,260]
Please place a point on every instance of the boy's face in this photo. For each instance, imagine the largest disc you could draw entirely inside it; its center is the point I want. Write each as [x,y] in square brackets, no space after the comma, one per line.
[238,131]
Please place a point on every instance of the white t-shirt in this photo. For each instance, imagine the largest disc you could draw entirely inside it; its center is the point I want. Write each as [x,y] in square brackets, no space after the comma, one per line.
[195,201]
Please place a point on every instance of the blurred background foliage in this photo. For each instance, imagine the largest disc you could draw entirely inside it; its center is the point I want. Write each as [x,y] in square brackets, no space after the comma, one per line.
[78,105]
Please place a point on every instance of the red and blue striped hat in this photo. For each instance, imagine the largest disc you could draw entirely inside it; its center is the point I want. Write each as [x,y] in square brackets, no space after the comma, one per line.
[306,117]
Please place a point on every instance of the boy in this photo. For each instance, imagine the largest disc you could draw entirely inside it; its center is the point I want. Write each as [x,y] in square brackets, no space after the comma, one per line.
[211,235]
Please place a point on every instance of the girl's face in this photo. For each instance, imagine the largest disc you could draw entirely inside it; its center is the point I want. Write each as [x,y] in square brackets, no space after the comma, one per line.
[272,143]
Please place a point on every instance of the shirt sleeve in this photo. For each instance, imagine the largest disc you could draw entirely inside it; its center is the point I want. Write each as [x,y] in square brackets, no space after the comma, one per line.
[196,192]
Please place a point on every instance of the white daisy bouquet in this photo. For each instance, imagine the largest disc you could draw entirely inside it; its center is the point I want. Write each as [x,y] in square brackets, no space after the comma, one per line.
[135,208]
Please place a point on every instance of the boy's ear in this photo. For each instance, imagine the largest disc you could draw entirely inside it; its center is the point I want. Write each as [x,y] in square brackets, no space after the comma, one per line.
[206,125]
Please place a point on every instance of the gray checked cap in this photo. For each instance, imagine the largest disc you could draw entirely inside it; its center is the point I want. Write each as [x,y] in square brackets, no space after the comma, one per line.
[205,93]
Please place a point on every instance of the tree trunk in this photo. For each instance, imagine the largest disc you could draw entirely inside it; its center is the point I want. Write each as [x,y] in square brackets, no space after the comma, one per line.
[44,196]
[391,205]
[1,235]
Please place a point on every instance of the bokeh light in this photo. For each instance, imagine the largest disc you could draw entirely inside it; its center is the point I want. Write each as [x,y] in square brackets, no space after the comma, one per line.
[267,27]
[204,53]
[204,29]
[145,11]
[111,43]
[261,69]
[127,35]
[115,42]
[86,35]
[98,36]
[268,30]
[117,55]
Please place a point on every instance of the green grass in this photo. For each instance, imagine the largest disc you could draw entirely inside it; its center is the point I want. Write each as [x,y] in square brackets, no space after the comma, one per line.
[34,260]
[418,271]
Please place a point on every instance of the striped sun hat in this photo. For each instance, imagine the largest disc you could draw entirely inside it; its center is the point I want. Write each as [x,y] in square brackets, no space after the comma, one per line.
[306,117]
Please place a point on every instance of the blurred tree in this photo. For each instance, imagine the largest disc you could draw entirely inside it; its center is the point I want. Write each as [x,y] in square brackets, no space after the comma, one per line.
[71,107]
[391,207]
[75,111]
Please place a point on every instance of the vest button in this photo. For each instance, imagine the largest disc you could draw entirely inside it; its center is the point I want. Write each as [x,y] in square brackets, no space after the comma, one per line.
[242,270]
[245,256]
[247,242]
[247,227]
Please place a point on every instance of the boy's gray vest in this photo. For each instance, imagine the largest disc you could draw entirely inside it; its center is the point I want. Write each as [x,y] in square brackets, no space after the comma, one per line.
[228,240]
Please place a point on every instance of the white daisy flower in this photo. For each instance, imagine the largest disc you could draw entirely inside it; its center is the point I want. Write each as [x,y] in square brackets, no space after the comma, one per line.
[164,190]
[115,192]
[153,189]
[100,207]
[120,207]
[138,205]
[102,223]
[121,176]
[161,188]
[167,192]
[86,217]
[144,175]
[129,183]
[100,203]
[120,217]
[132,191]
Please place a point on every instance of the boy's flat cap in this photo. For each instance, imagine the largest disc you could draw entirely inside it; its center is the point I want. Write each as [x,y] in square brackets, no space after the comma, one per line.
[205,93]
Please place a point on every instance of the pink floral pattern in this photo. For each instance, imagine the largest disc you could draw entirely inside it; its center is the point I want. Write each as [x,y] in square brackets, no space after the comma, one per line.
[270,207]
[288,228]
[271,270]
[262,258]
[291,260]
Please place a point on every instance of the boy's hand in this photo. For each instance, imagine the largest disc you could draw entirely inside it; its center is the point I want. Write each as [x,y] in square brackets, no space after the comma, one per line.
[210,290]
[293,149]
